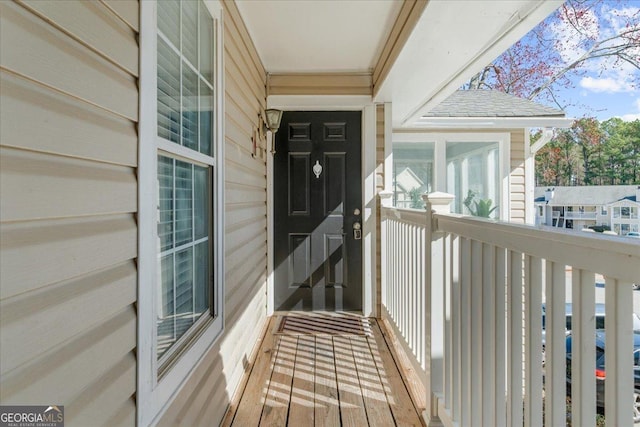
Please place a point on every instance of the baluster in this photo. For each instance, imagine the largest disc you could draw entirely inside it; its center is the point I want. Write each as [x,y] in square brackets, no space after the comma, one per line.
[413,268]
[583,358]
[477,334]
[465,326]
[456,343]
[488,259]
[533,342]
[555,358]
[515,415]
[500,363]
[448,332]
[421,294]
[618,367]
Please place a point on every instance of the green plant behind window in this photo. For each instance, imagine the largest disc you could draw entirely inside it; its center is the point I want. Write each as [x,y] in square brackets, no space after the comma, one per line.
[480,207]
[416,199]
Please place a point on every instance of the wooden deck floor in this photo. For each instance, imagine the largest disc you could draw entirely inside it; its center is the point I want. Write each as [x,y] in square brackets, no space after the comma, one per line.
[324,370]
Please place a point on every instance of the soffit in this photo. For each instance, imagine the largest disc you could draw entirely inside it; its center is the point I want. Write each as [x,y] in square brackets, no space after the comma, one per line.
[319,36]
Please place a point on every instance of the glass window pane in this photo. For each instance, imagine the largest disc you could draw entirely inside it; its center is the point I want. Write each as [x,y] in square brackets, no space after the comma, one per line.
[206,119]
[166,309]
[412,173]
[201,202]
[624,212]
[184,282]
[183,203]
[190,31]
[473,177]
[206,44]
[165,200]
[169,20]
[189,108]
[203,278]
[168,93]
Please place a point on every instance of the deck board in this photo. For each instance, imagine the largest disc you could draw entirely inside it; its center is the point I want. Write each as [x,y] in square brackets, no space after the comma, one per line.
[249,409]
[374,396]
[301,410]
[327,405]
[320,376]
[352,411]
[276,406]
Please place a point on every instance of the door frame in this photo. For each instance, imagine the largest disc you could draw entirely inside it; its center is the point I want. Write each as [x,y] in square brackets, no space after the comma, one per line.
[368,152]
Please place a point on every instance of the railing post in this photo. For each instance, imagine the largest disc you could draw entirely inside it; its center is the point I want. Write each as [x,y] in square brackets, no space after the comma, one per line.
[434,320]
[386,198]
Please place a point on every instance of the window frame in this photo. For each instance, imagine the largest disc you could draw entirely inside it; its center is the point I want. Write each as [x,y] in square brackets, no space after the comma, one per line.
[394,173]
[156,390]
[461,161]
[440,139]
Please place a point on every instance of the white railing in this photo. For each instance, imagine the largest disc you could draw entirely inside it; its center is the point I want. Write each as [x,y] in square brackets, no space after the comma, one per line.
[580,215]
[484,284]
[403,267]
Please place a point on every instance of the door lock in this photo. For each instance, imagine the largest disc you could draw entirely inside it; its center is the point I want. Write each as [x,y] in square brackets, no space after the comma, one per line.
[357,232]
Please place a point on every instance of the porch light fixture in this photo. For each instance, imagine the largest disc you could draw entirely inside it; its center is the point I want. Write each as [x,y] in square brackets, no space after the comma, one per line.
[272,123]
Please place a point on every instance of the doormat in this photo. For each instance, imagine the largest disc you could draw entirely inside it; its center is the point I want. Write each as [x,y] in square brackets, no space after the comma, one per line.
[319,324]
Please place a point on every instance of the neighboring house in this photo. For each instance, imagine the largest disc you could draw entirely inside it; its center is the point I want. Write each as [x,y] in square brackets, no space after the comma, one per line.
[407,183]
[613,206]
[146,231]
[478,141]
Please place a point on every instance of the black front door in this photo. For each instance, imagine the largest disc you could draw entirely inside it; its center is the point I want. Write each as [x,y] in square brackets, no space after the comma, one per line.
[317,211]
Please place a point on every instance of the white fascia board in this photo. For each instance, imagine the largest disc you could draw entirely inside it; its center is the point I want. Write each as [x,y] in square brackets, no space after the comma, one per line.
[452,41]
[492,122]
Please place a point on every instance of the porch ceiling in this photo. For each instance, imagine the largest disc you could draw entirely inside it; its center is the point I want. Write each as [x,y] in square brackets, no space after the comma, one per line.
[318,36]
[451,41]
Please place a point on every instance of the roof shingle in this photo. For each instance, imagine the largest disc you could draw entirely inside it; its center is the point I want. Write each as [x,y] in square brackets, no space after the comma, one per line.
[490,103]
[595,195]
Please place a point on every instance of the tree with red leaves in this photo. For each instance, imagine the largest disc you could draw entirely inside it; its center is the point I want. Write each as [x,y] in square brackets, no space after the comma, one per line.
[589,36]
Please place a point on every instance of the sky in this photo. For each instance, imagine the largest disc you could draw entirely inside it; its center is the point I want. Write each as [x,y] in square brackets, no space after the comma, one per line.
[604,90]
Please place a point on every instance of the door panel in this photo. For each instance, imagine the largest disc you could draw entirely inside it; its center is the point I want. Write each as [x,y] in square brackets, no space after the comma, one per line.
[317,200]
[298,184]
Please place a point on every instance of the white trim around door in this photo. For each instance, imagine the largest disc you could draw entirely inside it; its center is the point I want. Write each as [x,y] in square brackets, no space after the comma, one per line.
[337,103]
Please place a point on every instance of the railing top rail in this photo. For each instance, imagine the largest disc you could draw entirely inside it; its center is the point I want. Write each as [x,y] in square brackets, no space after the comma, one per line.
[609,255]
[414,216]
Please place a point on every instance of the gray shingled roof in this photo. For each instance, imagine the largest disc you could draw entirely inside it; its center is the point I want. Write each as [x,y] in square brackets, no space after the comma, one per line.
[595,195]
[490,103]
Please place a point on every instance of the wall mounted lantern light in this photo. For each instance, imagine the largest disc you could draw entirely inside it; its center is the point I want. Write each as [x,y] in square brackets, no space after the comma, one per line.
[272,123]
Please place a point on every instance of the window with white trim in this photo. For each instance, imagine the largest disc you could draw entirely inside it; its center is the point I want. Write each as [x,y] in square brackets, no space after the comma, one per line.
[473,176]
[181,268]
[186,162]
[474,167]
[413,167]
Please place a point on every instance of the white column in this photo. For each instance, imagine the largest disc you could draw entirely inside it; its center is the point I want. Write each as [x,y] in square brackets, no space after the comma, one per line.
[386,199]
[388,147]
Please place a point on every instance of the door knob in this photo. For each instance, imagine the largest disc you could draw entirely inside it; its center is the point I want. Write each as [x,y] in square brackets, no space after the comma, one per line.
[357,232]
[356,211]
